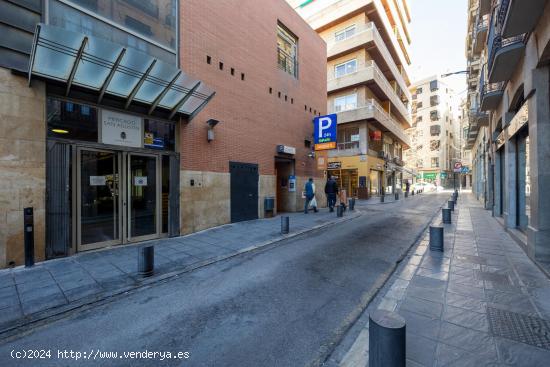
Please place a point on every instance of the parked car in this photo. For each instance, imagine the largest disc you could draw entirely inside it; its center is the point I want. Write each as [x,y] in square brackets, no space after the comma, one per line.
[426,186]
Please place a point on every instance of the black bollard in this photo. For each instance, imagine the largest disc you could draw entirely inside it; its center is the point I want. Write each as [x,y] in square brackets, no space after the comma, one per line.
[351,204]
[387,339]
[406,194]
[382,198]
[146,261]
[396,196]
[446,215]
[436,238]
[28,228]
[451,205]
[340,210]
[285,224]
[412,193]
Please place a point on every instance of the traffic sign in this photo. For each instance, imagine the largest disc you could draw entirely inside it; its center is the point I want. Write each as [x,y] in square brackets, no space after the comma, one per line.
[458,167]
[325,129]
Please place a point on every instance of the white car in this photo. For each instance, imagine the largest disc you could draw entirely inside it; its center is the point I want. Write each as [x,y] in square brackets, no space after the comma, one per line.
[426,186]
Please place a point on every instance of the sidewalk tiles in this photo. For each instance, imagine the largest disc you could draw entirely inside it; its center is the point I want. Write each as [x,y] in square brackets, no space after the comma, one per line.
[482,302]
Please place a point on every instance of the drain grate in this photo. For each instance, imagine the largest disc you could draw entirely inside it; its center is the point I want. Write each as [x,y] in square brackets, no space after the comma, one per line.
[522,328]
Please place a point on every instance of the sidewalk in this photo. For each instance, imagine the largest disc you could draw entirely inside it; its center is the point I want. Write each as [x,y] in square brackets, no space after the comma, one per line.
[482,302]
[59,285]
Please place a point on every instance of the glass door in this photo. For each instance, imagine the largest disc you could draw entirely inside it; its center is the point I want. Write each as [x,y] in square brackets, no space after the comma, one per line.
[143,197]
[98,205]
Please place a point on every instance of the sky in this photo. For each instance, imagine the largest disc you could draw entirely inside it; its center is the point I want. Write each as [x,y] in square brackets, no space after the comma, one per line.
[438,34]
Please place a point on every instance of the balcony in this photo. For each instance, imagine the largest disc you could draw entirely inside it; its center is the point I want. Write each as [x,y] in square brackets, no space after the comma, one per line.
[372,111]
[491,95]
[373,77]
[504,54]
[484,7]
[481,28]
[398,161]
[478,117]
[350,149]
[368,37]
[518,17]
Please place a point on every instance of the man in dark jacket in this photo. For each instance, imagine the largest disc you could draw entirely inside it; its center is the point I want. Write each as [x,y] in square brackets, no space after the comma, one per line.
[331,190]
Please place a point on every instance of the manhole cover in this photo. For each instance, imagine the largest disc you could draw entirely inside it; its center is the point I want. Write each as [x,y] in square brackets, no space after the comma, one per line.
[493,277]
[522,328]
[472,259]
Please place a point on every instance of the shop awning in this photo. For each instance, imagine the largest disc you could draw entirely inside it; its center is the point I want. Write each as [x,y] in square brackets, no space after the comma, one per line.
[105,68]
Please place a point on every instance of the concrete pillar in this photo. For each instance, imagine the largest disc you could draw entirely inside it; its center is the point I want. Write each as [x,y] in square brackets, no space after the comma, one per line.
[538,232]
[363,138]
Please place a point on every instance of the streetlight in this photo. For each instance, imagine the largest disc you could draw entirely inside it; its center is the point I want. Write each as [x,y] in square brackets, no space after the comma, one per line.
[455,72]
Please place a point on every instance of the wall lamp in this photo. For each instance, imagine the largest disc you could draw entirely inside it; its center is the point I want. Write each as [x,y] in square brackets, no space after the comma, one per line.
[210,133]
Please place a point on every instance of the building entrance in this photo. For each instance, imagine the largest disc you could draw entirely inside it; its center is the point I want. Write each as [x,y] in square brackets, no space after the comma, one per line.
[119,197]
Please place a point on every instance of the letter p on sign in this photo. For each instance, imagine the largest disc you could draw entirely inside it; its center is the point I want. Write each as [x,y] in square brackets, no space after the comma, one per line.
[324,124]
[325,129]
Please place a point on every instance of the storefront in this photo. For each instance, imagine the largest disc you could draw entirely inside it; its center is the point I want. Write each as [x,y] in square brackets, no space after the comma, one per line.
[361,176]
[112,161]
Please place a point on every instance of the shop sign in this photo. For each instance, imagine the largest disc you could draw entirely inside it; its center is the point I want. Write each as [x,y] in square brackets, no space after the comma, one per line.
[321,163]
[121,129]
[443,175]
[429,175]
[520,119]
[334,165]
[324,132]
[286,149]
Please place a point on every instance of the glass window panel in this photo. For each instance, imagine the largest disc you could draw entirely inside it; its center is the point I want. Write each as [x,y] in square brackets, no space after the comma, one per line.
[176,93]
[159,135]
[67,17]
[92,72]
[157,81]
[195,102]
[133,64]
[71,121]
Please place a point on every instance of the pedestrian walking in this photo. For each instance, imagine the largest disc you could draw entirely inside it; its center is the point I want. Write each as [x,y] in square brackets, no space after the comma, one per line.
[309,190]
[407,186]
[331,190]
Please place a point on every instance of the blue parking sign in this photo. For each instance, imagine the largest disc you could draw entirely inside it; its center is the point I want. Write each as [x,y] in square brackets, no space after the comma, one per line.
[325,128]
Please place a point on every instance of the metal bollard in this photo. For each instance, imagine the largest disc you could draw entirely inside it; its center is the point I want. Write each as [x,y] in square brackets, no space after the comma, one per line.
[412,193]
[146,261]
[396,196]
[340,210]
[451,205]
[382,198]
[387,339]
[436,238]
[446,215]
[28,228]
[406,194]
[285,224]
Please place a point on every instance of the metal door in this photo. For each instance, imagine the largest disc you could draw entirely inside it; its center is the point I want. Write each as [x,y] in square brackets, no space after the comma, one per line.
[58,191]
[174,197]
[244,191]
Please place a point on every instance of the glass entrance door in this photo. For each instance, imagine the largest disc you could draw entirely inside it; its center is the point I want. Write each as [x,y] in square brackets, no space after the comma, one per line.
[98,204]
[143,197]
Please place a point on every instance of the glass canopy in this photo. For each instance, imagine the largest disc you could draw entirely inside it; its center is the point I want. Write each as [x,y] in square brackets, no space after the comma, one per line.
[107,68]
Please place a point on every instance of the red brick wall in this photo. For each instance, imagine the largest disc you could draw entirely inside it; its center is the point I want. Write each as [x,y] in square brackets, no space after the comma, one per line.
[243,35]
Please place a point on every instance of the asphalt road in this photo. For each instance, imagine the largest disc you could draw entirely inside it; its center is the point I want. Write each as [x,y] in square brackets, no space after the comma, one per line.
[286,305]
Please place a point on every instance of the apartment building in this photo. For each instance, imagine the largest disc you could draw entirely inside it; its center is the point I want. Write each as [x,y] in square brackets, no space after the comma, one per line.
[465,154]
[434,133]
[106,134]
[368,88]
[508,50]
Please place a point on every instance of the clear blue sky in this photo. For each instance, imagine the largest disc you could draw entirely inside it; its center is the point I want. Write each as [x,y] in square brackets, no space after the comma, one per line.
[438,32]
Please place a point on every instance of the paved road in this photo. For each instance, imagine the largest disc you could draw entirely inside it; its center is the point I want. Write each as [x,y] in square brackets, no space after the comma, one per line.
[286,305]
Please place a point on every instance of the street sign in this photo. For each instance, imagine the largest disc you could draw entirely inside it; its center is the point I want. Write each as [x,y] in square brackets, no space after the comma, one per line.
[443,174]
[325,132]
[458,167]
[465,170]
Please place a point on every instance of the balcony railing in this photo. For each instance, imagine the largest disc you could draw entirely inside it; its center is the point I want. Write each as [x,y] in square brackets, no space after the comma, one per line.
[491,88]
[503,10]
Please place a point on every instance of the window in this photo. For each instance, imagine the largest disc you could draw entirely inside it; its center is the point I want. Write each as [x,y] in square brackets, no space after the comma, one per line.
[270,90]
[232,71]
[345,68]
[434,85]
[159,135]
[418,91]
[435,145]
[221,65]
[208,60]
[345,33]
[435,162]
[419,119]
[435,130]
[434,100]
[419,105]
[434,115]
[69,120]
[287,50]
[242,76]
[348,138]
[345,103]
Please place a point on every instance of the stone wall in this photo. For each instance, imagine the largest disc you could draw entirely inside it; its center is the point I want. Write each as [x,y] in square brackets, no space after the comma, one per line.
[22,165]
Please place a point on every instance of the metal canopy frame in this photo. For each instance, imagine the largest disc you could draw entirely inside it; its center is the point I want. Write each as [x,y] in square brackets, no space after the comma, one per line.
[57,54]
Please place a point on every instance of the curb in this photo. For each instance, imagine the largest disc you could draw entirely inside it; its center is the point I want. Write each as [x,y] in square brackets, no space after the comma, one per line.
[10,330]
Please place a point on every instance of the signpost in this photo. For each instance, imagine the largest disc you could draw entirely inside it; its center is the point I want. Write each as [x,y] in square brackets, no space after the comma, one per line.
[325,129]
